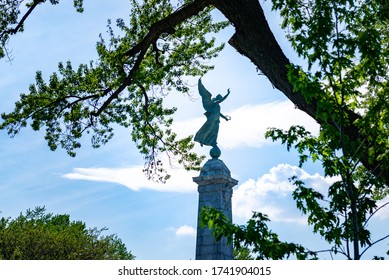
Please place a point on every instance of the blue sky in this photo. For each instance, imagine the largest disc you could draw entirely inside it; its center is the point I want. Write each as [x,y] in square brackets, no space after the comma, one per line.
[106,186]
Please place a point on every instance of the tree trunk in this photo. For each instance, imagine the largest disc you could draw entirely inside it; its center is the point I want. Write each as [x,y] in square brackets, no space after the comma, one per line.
[351,191]
[254,39]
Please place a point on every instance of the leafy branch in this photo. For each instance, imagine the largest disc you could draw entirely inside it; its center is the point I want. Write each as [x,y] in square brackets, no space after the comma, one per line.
[120,86]
[10,23]
[255,235]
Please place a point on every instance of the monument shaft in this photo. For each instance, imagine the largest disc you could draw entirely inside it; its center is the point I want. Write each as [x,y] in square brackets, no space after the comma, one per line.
[215,190]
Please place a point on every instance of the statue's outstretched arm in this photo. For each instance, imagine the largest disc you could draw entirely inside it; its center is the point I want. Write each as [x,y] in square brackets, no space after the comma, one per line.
[225,96]
[227,118]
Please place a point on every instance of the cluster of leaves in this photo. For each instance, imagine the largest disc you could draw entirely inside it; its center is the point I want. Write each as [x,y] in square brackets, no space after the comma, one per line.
[243,253]
[255,236]
[342,216]
[346,46]
[327,149]
[38,235]
[11,21]
[126,85]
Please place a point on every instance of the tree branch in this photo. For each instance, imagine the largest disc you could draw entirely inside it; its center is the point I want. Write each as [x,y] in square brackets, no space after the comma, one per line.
[379,208]
[375,242]
[165,25]
[157,51]
[126,82]
[146,106]
[254,39]
[14,30]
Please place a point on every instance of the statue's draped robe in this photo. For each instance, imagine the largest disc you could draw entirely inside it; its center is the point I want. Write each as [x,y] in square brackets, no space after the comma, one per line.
[207,134]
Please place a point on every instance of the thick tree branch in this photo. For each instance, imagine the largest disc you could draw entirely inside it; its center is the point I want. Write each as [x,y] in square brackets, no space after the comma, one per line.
[168,24]
[126,82]
[254,39]
[14,30]
[24,18]
[163,26]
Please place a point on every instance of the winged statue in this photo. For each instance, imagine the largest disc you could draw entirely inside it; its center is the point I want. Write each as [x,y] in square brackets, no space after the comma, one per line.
[207,134]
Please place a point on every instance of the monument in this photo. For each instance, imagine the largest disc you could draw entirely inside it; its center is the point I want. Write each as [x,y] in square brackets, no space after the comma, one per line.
[214,182]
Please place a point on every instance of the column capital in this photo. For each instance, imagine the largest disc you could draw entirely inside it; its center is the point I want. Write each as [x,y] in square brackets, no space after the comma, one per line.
[215,172]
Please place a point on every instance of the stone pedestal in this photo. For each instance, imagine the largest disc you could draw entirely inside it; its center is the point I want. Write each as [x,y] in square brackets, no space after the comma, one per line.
[215,190]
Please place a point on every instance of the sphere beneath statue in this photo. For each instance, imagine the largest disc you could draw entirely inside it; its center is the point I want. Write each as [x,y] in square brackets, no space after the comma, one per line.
[215,152]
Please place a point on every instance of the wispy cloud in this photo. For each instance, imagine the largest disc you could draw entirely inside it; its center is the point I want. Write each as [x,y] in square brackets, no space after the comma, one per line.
[246,129]
[134,178]
[249,123]
[271,194]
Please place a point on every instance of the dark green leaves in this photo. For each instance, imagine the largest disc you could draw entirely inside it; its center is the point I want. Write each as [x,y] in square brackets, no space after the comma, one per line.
[345,44]
[8,17]
[37,235]
[340,217]
[255,235]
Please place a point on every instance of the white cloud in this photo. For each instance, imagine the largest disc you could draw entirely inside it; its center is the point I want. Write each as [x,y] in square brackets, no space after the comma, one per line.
[134,178]
[249,123]
[246,129]
[383,213]
[271,194]
[185,231]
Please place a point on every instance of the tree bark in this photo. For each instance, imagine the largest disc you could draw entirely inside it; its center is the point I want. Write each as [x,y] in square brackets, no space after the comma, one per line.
[254,39]
[352,195]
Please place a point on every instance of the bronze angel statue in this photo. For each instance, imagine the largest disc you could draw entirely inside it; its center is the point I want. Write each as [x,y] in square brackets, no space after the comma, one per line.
[207,134]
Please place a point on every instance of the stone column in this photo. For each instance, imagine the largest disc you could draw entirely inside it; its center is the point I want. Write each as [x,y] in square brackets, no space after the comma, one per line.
[215,189]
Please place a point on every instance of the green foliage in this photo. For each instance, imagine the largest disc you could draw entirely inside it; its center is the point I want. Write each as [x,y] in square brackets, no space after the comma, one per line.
[38,235]
[242,253]
[346,46]
[126,85]
[256,236]
[341,217]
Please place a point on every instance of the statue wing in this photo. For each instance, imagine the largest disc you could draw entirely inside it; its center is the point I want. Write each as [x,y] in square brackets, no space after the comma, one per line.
[206,97]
